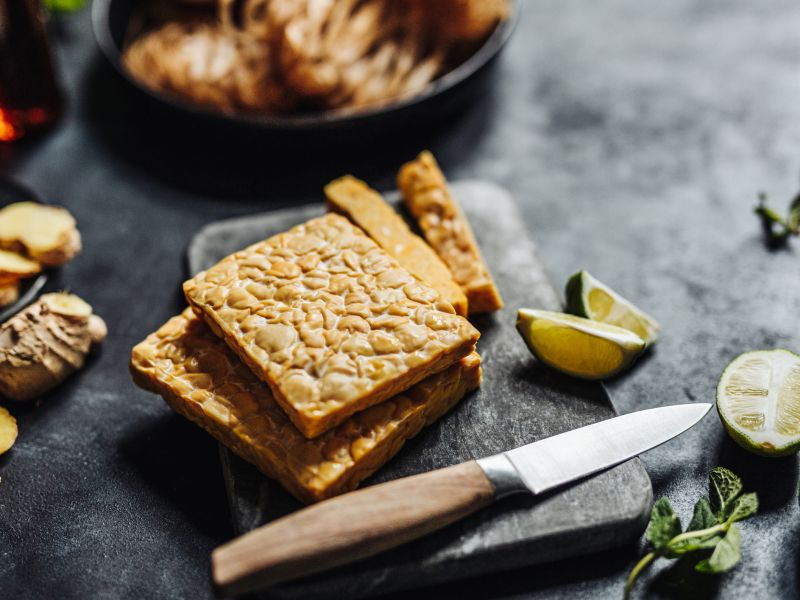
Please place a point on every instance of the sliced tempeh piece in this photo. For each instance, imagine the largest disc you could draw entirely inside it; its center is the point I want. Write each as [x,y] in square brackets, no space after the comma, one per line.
[447,230]
[329,320]
[45,233]
[203,380]
[367,209]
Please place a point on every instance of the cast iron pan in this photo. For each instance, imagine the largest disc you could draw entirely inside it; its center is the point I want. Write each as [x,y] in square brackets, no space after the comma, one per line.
[442,97]
[10,192]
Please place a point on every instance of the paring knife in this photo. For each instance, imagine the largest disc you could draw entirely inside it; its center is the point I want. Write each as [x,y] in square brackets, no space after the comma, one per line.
[368,521]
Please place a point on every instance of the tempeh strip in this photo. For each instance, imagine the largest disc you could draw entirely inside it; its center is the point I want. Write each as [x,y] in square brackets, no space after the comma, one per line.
[447,230]
[367,209]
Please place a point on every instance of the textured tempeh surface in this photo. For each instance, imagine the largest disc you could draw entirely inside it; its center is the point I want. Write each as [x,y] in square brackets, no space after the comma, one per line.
[446,228]
[203,380]
[329,320]
[367,209]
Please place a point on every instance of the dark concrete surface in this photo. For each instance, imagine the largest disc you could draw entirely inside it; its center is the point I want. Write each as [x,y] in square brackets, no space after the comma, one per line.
[634,137]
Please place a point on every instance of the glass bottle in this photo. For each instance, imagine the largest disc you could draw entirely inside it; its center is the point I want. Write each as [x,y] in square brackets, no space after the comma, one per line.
[30,98]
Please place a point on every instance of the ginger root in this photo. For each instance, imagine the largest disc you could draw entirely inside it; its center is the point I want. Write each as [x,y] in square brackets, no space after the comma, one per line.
[46,234]
[8,430]
[44,344]
[9,292]
[14,267]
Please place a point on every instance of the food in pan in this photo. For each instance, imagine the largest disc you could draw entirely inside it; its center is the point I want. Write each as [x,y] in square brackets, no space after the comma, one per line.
[329,320]
[447,230]
[275,56]
[8,430]
[44,344]
[43,233]
[203,380]
[367,209]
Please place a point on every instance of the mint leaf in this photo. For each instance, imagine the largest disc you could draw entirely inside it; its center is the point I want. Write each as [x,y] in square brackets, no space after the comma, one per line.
[744,506]
[723,488]
[664,524]
[703,516]
[725,556]
[712,532]
[701,542]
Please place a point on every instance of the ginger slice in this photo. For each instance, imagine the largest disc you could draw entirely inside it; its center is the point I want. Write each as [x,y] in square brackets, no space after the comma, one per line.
[8,430]
[47,234]
[44,344]
[9,292]
[14,267]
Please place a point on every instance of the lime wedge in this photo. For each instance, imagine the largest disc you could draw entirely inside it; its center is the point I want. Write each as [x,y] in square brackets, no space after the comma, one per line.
[588,297]
[577,346]
[758,399]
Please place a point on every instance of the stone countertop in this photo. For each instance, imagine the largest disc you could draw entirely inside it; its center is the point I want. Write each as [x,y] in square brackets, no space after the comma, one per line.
[634,136]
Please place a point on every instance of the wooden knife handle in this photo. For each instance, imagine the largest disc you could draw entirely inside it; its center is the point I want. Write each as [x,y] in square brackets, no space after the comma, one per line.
[350,527]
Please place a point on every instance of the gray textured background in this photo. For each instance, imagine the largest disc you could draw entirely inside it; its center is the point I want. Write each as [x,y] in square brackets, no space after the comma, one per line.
[634,137]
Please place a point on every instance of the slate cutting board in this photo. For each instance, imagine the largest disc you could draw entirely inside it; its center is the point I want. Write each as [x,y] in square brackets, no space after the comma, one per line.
[519,402]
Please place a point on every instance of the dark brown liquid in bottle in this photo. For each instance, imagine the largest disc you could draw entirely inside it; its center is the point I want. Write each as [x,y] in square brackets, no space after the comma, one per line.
[29,95]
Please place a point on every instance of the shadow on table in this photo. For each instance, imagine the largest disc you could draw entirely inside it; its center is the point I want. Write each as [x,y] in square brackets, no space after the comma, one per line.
[181,463]
[775,480]
[216,160]
[525,582]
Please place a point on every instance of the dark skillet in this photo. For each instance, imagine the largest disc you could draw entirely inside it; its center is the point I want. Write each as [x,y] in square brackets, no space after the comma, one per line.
[442,97]
[11,192]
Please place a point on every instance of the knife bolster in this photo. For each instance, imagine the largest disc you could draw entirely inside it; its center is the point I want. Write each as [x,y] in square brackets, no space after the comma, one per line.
[504,477]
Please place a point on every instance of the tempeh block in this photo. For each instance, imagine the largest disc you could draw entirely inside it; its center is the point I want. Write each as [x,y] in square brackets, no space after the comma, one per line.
[203,380]
[366,208]
[447,230]
[329,320]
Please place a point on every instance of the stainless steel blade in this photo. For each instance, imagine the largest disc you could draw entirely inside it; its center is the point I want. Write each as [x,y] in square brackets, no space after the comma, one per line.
[557,460]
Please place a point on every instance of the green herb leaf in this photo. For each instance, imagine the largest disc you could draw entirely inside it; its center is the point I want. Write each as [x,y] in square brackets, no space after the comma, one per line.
[723,488]
[744,506]
[703,516]
[64,6]
[664,524]
[706,541]
[712,528]
[793,222]
[725,556]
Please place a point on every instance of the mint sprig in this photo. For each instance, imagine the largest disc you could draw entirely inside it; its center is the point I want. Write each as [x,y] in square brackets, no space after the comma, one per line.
[777,228]
[712,528]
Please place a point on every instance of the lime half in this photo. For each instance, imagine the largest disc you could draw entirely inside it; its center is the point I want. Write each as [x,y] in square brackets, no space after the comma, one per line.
[577,346]
[758,399]
[588,297]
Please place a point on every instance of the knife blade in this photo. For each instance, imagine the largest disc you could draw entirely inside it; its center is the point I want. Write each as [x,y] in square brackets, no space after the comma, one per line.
[373,519]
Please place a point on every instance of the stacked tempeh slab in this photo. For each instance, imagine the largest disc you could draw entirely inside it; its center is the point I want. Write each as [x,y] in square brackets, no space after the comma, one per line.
[332,325]
[318,352]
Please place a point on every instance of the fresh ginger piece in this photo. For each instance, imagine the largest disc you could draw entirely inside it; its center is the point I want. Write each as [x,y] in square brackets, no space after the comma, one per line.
[9,292]
[8,430]
[14,267]
[44,344]
[47,234]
